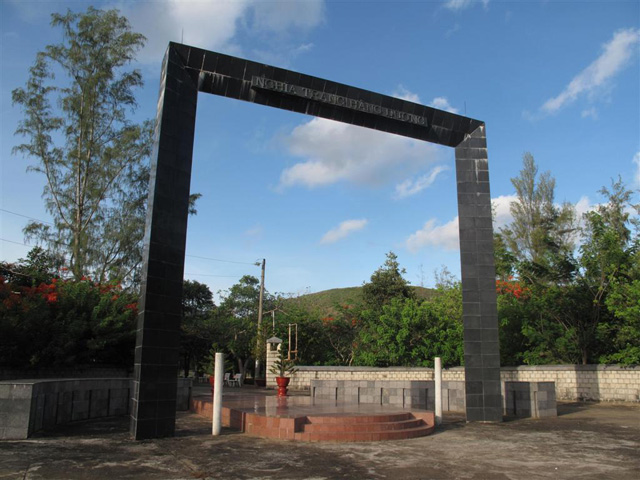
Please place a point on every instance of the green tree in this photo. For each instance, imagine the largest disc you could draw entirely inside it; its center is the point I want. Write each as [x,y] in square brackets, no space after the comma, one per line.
[341,331]
[410,333]
[197,329]
[608,264]
[623,302]
[66,323]
[590,315]
[236,323]
[386,284]
[75,106]
[540,237]
[40,266]
[241,300]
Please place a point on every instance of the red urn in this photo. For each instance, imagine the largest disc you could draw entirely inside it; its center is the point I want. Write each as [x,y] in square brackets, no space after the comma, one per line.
[282,382]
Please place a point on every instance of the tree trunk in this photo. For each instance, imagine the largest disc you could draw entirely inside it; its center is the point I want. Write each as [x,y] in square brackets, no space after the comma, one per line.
[241,368]
[186,363]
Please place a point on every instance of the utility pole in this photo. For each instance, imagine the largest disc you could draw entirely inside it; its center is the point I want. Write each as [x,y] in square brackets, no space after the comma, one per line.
[259,340]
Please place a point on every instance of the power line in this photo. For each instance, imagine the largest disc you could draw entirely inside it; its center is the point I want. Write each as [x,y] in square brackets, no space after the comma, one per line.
[17,243]
[210,275]
[225,261]
[24,216]
[188,273]
[257,264]
[27,245]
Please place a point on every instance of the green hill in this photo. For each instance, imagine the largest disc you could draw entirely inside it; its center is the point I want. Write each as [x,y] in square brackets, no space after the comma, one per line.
[327,299]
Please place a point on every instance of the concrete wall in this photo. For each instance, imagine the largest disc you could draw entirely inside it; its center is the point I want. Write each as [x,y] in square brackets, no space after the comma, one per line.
[572,382]
[28,406]
[404,393]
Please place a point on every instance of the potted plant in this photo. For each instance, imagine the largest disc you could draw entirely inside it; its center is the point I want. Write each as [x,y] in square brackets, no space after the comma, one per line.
[281,368]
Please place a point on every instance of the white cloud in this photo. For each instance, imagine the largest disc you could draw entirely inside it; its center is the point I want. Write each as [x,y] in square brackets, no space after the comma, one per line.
[617,54]
[441,103]
[214,24]
[411,187]
[402,93]
[431,234]
[256,231]
[447,236]
[457,5]
[589,113]
[280,16]
[583,206]
[502,210]
[282,56]
[334,152]
[343,230]
[636,177]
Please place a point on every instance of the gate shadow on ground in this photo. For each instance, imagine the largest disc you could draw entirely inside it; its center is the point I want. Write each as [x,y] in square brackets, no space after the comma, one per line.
[187,425]
[451,422]
[568,408]
[102,427]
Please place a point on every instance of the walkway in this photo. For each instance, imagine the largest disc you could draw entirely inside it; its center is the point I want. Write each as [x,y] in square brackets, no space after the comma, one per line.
[586,441]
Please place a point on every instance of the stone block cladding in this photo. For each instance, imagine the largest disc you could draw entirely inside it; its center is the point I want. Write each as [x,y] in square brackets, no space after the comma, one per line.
[530,399]
[572,382]
[28,406]
[403,393]
[272,356]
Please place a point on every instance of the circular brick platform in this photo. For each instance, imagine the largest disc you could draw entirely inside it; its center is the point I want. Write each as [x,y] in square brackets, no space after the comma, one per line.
[301,418]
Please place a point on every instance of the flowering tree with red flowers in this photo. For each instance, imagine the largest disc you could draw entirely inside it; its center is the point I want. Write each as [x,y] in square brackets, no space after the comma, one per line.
[63,322]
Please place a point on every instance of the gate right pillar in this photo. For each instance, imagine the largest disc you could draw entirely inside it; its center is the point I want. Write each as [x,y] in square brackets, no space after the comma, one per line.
[479,300]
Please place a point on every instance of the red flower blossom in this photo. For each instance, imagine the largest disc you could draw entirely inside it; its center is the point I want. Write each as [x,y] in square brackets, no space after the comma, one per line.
[511,288]
[132,306]
[327,320]
[51,297]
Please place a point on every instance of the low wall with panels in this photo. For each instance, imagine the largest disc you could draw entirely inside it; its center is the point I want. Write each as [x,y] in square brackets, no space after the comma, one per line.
[607,383]
[28,406]
[529,399]
[403,393]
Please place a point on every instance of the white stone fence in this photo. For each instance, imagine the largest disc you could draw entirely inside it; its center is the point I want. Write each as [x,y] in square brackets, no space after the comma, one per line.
[573,382]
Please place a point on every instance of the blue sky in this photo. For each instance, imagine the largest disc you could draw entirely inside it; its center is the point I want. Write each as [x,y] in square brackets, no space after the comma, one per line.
[323,202]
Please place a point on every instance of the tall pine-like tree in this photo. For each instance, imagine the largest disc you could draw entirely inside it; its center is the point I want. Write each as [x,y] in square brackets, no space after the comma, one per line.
[386,283]
[541,236]
[95,160]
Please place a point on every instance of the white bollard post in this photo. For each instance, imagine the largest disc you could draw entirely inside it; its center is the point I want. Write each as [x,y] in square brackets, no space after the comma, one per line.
[216,423]
[438,380]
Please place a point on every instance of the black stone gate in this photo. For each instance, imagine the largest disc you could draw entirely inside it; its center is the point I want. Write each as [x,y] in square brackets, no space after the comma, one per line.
[187,71]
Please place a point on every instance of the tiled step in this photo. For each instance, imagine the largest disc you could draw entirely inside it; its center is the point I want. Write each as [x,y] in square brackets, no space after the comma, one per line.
[351,419]
[363,427]
[374,436]
[369,428]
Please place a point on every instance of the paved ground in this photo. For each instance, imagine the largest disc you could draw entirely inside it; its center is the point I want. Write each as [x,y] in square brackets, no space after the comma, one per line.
[586,441]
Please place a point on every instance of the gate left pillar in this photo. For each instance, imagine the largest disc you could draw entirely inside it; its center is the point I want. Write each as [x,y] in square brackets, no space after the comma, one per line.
[153,408]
